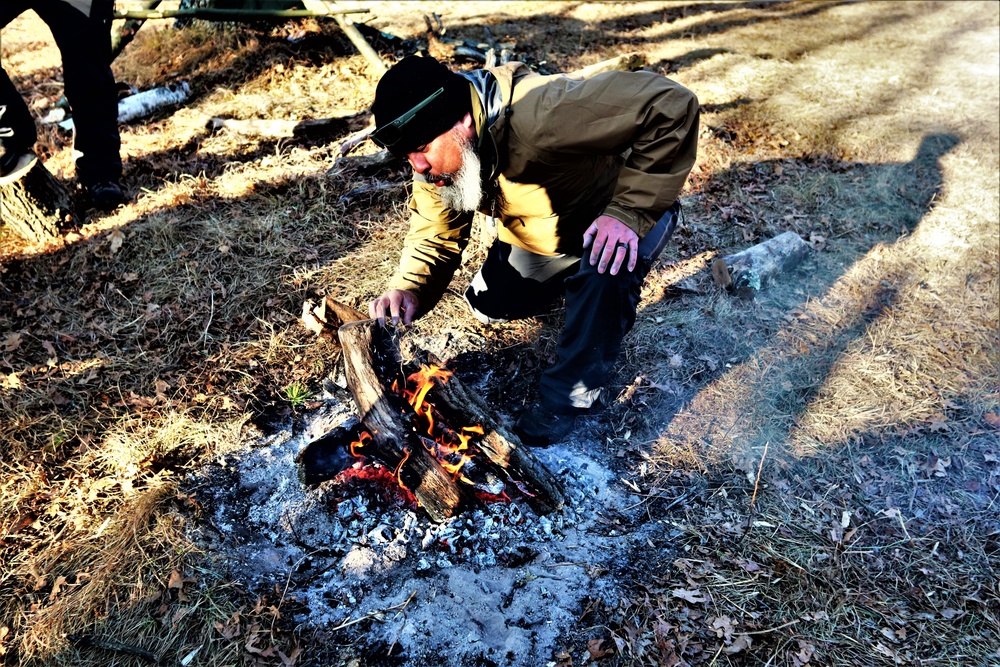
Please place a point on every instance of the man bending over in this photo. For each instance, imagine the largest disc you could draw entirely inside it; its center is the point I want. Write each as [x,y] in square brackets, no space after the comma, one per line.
[581,177]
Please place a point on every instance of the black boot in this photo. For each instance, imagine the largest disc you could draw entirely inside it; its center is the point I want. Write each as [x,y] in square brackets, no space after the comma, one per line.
[16,163]
[106,195]
[540,427]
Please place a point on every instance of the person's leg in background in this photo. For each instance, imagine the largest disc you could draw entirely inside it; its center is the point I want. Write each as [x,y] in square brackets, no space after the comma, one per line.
[17,126]
[85,44]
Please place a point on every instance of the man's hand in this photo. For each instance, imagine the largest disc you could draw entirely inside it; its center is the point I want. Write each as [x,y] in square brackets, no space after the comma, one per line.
[612,242]
[400,304]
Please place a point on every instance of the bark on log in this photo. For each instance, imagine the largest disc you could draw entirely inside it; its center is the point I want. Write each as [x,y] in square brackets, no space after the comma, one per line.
[325,318]
[459,405]
[753,269]
[391,420]
[36,205]
[372,363]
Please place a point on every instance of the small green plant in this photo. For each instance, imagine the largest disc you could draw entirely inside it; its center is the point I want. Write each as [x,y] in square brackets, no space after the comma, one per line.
[297,394]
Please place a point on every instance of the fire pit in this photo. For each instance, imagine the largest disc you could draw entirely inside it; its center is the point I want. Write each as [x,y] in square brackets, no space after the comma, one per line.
[357,550]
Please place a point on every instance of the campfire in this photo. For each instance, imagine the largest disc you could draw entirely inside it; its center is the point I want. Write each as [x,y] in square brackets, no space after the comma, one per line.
[453,449]
[443,444]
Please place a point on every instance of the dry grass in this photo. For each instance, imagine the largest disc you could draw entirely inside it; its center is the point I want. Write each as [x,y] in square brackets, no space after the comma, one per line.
[138,347]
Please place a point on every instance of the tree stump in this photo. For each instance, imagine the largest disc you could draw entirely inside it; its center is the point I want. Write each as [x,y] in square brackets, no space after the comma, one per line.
[36,205]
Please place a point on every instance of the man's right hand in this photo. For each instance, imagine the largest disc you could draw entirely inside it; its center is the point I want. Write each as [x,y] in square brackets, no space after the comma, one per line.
[399,304]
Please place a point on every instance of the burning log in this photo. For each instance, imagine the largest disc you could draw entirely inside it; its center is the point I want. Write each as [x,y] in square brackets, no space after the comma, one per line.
[443,452]
[371,368]
[501,447]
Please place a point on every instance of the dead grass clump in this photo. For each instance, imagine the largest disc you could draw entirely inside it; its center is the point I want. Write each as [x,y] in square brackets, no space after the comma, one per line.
[161,54]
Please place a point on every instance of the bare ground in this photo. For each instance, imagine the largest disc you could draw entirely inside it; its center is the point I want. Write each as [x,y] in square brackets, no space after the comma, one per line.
[817,469]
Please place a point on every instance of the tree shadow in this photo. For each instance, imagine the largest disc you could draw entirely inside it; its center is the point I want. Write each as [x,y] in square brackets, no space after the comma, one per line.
[757,368]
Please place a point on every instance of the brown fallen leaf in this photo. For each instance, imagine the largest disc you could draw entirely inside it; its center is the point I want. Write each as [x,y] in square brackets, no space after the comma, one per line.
[741,643]
[993,419]
[804,654]
[12,342]
[597,651]
[694,596]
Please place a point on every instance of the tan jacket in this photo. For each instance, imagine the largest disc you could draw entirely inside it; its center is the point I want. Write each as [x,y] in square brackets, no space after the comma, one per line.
[567,150]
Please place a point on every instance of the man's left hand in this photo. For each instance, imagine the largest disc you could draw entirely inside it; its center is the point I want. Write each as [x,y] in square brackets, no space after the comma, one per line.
[612,242]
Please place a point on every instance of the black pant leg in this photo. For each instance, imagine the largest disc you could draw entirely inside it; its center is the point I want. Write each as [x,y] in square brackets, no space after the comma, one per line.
[15,117]
[600,311]
[85,45]
[514,283]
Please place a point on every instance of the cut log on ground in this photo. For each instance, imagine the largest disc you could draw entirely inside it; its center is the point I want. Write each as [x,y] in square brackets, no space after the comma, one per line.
[374,371]
[35,205]
[747,272]
[319,128]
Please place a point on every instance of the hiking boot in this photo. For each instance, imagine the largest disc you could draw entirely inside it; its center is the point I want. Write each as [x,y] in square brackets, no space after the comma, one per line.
[540,427]
[15,164]
[106,195]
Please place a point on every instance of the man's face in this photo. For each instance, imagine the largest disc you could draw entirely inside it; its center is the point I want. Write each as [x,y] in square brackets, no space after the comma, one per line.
[439,160]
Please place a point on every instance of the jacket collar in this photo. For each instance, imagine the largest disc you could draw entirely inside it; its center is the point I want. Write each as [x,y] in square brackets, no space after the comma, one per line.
[492,94]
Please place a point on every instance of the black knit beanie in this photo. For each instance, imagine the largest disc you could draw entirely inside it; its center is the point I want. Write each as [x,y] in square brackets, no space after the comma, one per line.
[407,84]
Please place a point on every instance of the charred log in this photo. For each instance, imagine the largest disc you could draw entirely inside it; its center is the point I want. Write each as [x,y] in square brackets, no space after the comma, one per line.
[376,375]
[503,448]
[372,365]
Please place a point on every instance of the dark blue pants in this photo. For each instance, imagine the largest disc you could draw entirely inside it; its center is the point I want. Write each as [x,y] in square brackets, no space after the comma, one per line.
[600,309]
[85,45]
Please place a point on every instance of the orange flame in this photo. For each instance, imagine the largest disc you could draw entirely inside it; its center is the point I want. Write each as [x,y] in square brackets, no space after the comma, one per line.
[362,440]
[449,446]
[406,457]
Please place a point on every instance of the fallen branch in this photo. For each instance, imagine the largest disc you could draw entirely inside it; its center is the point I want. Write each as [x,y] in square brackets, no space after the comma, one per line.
[351,141]
[361,44]
[364,164]
[280,129]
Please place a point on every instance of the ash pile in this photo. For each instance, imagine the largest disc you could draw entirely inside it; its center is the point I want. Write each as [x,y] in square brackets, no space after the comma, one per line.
[494,585]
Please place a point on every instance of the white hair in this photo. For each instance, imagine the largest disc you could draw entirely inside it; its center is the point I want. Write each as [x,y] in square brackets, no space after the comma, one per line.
[464,192]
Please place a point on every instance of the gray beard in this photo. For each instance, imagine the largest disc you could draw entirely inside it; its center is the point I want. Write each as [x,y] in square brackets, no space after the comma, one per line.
[465,193]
